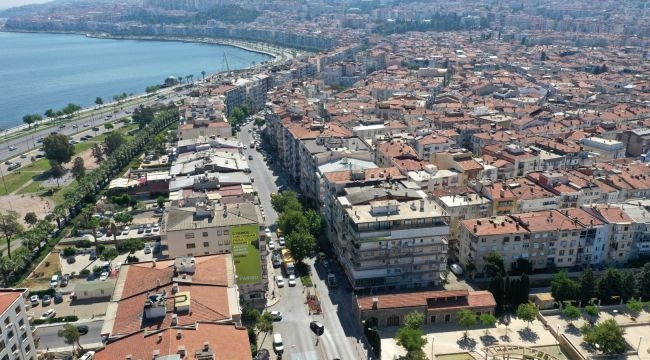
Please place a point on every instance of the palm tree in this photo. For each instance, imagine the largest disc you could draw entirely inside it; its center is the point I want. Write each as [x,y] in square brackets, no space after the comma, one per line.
[203,74]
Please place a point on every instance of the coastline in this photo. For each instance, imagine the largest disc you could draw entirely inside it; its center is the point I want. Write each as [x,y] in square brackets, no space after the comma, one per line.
[276,53]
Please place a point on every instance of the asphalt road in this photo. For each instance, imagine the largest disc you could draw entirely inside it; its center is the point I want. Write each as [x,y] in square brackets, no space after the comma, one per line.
[340,337]
[49,337]
[91,118]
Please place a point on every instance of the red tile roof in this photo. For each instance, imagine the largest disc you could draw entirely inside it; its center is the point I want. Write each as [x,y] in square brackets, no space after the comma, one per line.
[225,341]
[7,298]
[425,298]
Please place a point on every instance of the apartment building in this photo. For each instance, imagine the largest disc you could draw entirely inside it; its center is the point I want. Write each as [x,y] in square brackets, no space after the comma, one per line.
[461,207]
[388,240]
[607,149]
[559,238]
[16,341]
[637,140]
[460,160]
[621,232]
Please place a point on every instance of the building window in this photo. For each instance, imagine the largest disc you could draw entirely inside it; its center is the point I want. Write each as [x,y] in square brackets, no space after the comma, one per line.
[189,235]
[433,319]
[21,322]
[17,309]
[7,321]
[392,320]
[447,317]
[191,245]
[206,244]
[225,232]
[205,234]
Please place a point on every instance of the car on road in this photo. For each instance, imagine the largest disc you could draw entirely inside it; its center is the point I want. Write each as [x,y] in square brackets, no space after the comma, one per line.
[271,245]
[86,125]
[292,280]
[47,300]
[34,300]
[276,262]
[317,327]
[280,281]
[8,162]
[13,166]
[12,148]
[40,139]
[281,241]
[83,329]
[75,126]
[276,315]
[103,276]
[48,314]
[278,345]
[456,269]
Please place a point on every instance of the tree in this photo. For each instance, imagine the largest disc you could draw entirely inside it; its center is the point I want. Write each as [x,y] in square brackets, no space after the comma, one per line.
[610,284]
[50,113]
[71,108]
[315,222]
[466,319]
[264,323]
[123,218]
[592,311]
[78,168]
[291,221]
[608,335]
[113,141]
[132,245]
[160,200]
[31,218]
[56,171]
[410,335]
[301,244]
[543,56]
[634,306]
[29,119]
[9,226]
[644,282]
[488,320]
[99,101]
[588,288]
[109,253]
[527,312]
[629,286]
[524,289]
[496,287]
[97,153]
[285,201]
[70,335]
[494,265]
[143,115]
[571,313]
[58,148]
[563,288]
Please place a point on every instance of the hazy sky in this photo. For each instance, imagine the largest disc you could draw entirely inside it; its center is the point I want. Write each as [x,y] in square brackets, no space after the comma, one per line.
[5,4]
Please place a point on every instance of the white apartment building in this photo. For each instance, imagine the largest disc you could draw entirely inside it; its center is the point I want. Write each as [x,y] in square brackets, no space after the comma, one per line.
[387,244]
[461,207]
[16,341]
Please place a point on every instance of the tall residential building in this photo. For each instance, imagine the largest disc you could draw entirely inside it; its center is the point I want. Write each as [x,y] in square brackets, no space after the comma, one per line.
[16,340]
[388,240]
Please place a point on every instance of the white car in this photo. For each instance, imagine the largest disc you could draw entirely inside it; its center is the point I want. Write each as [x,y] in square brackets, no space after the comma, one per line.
[103,276]
[34,300]
[456,269]
[280,281]
[281,241]
[276,315]
[48,314]
[292,280]
[271,245]
[87,356]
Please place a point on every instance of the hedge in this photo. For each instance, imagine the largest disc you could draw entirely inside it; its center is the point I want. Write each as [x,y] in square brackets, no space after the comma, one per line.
[40,293]
[69,318]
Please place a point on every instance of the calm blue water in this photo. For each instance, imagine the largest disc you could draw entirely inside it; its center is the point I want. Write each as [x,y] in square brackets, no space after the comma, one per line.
[42,71]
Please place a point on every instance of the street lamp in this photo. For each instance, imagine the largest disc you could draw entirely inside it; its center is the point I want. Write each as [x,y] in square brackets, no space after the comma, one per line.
[557,337]
[433,339]
[639,347]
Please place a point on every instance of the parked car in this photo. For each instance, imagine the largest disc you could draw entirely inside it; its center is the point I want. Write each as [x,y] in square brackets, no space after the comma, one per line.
[12,148]
[456,269]
[35,300]
[64,280]
[93,255]
[47,300]
[141,230]
[58,298]
[71,259]
[276,315]
[281,241]
[48,314]
[103,276]
[292,280]
[87,356]
[280,281]
[276,262]
[317,327]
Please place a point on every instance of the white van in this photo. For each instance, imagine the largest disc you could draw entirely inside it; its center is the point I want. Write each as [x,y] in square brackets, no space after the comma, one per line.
[54,282]
[278,346]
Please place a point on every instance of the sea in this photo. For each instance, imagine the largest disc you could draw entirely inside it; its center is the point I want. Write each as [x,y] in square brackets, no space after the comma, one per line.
[40,71]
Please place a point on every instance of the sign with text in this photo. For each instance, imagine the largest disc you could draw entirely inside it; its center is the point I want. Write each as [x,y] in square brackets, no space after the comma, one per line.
[245,253]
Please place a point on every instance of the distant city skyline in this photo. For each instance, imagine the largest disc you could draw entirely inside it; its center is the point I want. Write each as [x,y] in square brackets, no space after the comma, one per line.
[6,4]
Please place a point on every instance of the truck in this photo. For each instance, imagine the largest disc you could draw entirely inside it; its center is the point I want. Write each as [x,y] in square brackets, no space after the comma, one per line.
[331,281]
[287,262]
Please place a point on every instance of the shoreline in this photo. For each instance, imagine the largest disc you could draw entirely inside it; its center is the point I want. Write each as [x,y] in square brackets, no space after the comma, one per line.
[280,54]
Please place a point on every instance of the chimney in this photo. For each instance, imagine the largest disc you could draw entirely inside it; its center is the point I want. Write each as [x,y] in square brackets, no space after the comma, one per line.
[159,338]
[375,303]
[155,353]
[206,346]
[179,334]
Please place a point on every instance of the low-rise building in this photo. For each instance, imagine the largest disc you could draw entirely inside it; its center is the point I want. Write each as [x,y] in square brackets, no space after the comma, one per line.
[438,307]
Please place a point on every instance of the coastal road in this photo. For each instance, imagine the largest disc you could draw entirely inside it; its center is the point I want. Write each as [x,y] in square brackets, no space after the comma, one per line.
[49,338]
[90,116]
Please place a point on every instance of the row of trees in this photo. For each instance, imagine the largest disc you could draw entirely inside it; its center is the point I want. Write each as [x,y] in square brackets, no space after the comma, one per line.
[610,284]
[69,109]
[301,228]
[507,291]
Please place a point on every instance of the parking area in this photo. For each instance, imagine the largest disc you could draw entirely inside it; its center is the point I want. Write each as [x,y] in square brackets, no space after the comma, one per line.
[83,261]
[84,310]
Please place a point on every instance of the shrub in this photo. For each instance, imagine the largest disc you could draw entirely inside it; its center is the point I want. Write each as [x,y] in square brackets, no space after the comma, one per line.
[84,272]
[97,269]
[69,251]
[40,293]
[85,244]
